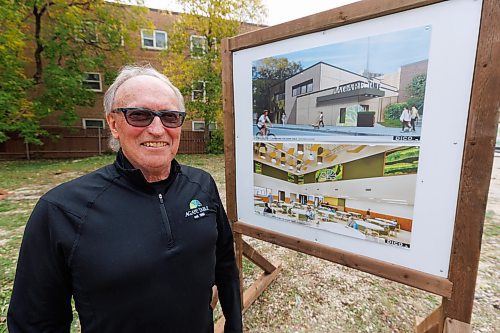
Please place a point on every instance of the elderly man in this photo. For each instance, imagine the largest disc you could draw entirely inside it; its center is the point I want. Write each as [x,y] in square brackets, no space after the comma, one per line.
[138,244]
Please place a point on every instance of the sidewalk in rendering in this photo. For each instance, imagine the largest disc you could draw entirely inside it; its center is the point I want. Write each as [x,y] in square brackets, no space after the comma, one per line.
[377,130]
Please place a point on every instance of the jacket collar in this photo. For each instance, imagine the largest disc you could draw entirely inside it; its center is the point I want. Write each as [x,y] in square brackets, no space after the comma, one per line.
[127,170]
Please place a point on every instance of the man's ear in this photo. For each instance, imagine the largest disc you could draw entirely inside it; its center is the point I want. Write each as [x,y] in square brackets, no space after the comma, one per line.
[112,125]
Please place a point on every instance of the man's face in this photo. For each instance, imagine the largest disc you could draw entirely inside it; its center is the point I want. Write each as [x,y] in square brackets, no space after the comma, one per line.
[151,148]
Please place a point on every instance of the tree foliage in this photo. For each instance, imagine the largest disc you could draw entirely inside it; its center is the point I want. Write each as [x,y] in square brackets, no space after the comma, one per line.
[417,92]
[267,73]
[63,39]
[393,111]
[16,109]
[194,62]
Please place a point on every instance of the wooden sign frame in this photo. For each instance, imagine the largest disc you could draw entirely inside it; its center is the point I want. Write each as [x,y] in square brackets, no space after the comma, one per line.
[458,289]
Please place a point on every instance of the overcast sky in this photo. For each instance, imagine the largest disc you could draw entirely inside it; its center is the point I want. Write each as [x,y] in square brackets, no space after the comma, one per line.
[278,10]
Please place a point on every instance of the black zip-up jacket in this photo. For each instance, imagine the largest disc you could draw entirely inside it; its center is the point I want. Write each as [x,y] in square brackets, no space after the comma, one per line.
[133,259]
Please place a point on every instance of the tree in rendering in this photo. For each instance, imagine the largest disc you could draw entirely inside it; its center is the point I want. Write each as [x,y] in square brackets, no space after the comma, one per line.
[417,92]
[267,73]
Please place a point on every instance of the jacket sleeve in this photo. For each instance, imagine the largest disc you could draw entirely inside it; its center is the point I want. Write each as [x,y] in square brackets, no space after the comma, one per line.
[226,272]
[41,298]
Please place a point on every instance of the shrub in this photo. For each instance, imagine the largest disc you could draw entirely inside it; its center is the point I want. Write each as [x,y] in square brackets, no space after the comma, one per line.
[216,144]
[393,111]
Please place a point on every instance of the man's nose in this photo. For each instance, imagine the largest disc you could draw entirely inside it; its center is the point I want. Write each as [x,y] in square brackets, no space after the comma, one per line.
[156,127]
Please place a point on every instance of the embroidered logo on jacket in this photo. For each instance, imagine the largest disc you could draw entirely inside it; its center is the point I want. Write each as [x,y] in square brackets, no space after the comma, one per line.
[194,204]
[196,209]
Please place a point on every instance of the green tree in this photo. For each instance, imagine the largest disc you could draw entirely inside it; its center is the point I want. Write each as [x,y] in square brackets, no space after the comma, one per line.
[16,110]
[267,73]
[63,39]
[417,92]
[193,62]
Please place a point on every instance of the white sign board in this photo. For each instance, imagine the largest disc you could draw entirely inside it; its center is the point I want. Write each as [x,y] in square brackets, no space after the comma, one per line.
[342,165]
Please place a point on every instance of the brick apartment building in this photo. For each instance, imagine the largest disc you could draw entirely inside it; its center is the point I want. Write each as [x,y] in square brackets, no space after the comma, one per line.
[89,135]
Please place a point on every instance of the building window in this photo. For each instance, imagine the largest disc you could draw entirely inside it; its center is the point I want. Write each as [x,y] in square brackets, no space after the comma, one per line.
[342,115]
[92,81]
[198,92]
[93,123]
[279,97]
[198,46]
[302,88]
[215,45]
[303,199]
[154,39]
[199,126]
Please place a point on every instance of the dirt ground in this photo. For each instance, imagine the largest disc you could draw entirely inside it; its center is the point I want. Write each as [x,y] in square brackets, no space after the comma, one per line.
[314,295]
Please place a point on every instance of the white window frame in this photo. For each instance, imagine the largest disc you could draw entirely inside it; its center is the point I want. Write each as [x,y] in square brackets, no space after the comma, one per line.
[202,122]
[93,81]
[216,45]
[84,124]
[191,45]
[155,32]
[204,99]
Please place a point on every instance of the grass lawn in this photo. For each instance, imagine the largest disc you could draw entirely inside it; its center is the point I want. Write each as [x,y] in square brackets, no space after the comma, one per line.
[26,181]
[391,123]
[310,295]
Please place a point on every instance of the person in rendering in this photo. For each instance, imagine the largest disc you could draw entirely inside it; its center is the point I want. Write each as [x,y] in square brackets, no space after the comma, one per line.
[267,209]
[320,120]
[138,244]
[405,119]
[309,213]
[414,118]
[352,224]
[262,123]
[283,119]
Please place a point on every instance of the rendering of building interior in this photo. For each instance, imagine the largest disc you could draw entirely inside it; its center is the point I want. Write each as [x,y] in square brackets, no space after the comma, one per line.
[363,191]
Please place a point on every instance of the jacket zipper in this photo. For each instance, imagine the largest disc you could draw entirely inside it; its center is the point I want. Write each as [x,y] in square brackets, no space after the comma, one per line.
[166,222]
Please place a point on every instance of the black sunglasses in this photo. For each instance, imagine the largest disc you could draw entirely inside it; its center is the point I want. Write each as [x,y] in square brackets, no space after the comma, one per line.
[142,117]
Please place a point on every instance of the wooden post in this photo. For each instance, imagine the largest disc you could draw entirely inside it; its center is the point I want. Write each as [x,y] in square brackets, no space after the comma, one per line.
[27,151]
[476,167]
[229,130]
[99,138]
[432,324]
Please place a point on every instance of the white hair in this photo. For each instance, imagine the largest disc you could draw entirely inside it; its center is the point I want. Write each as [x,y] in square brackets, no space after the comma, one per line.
[126,73]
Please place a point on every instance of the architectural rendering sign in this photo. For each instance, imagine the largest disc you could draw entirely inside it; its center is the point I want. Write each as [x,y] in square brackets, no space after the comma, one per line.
[353,137]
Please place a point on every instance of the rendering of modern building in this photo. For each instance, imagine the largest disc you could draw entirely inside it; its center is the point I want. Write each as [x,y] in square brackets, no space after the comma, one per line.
[345,98]
[338,93]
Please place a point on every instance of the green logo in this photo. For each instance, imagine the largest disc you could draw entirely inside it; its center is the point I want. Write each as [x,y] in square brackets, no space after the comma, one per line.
[194,204]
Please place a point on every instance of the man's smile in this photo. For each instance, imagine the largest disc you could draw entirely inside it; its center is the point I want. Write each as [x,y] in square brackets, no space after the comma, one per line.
[154,144]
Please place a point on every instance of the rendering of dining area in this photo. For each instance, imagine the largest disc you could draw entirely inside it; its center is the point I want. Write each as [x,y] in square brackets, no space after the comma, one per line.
[361,191]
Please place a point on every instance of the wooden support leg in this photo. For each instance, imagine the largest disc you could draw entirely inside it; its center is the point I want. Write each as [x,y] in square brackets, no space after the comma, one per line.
[238,241]
[258,286]
[455,326]
[257,258]
[432,324]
